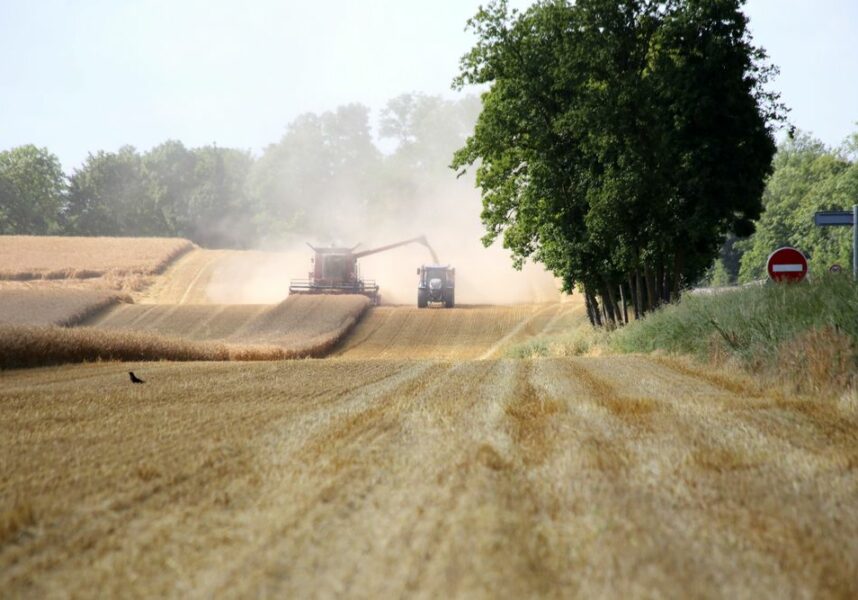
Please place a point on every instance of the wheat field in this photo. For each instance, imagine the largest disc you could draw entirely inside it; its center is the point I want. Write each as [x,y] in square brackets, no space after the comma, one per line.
[298,327]
[25,257]
[205,276]
[467,332]
[592,477]
[52,306]
[415,461]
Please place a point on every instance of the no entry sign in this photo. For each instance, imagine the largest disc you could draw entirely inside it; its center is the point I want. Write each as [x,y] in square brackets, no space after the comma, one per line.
[786,264]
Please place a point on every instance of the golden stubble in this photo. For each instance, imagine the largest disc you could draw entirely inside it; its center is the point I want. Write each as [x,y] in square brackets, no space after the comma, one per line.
[375,477]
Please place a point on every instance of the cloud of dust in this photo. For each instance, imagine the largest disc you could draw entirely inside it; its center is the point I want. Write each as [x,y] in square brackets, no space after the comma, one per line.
[449,220]
[424,198]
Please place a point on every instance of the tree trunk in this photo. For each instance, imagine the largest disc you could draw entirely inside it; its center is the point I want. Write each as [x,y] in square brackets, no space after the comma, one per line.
[652,299]
[607,308]
[633,293]
[623,297]
[590,311]
[678,266]
[641,309]
[606,318]
[593,306]
[612,299]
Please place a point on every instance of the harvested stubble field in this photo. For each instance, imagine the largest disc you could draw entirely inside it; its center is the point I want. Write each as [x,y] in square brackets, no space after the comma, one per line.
[468,332]
[212,277]
[601,476]
[415,462]
[297,322]
[24,257]
[52,306]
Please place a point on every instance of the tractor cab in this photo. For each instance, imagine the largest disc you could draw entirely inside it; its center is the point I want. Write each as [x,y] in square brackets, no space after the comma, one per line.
[436,285]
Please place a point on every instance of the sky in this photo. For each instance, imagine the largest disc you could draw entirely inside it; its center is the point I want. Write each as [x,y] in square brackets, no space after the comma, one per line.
[78,76]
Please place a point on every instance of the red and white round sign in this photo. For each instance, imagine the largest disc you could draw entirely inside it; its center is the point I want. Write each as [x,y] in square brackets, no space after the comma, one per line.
[786,264]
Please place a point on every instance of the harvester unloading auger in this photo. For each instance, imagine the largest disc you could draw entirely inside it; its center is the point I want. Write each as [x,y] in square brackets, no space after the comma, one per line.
[336,270]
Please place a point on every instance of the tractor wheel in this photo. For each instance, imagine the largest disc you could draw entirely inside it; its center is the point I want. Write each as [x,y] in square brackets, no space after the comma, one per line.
[450,300]
[422,300]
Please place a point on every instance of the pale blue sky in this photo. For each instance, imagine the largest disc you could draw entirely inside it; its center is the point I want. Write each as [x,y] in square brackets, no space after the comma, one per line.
[79,76]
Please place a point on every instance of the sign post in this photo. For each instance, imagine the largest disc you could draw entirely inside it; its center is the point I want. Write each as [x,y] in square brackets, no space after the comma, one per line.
[786,265]
[842,218]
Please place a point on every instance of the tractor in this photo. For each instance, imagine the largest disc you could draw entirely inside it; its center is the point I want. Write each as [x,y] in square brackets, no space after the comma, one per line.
[336,271]
[437,285]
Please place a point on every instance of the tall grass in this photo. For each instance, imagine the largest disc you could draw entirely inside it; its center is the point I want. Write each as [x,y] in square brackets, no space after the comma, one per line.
[807,333]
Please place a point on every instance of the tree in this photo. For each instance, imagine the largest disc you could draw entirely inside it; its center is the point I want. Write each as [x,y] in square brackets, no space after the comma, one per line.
[109,195]
[170,175]
[219,208]
[31,191]
[620,141]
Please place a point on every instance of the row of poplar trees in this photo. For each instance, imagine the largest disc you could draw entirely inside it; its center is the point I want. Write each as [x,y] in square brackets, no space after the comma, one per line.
[620,141]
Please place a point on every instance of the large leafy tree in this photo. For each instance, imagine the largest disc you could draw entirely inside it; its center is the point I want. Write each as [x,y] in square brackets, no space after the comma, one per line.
[32,184]
[220,210]
[109,195]
[170,172]
[619,141]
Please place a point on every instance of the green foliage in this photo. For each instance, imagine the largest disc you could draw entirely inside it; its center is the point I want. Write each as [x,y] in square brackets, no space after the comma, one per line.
[807,177]
[751,323]
[108,195]
[619,137]
[31,191]
[720,277]
[169,191]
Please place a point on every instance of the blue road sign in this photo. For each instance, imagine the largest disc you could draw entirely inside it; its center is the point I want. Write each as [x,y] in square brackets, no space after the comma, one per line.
[833,218]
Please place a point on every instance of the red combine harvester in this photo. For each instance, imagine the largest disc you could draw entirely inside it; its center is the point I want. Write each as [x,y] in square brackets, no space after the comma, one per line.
[336,271]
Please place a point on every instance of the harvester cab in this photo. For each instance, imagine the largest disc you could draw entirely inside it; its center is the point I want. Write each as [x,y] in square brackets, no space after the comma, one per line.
[437,285]
[335,270]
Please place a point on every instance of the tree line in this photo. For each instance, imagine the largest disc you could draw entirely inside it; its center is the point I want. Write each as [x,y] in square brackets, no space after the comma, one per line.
[620,142]
[326,176]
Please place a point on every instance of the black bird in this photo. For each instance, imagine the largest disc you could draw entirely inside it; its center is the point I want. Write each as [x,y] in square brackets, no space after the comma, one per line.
[134,378]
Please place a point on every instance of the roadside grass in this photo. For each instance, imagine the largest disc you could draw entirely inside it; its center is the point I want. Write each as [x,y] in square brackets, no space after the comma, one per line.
[805,335]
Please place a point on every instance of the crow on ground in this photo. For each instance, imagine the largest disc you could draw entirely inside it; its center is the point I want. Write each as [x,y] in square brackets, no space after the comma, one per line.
[134,378]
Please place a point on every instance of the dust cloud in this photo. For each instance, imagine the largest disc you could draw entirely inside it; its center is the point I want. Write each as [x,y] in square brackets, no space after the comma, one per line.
[449,220]
[348,193]
[451,223]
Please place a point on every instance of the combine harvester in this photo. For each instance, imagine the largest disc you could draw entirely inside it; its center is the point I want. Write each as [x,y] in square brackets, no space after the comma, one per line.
[336,271]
